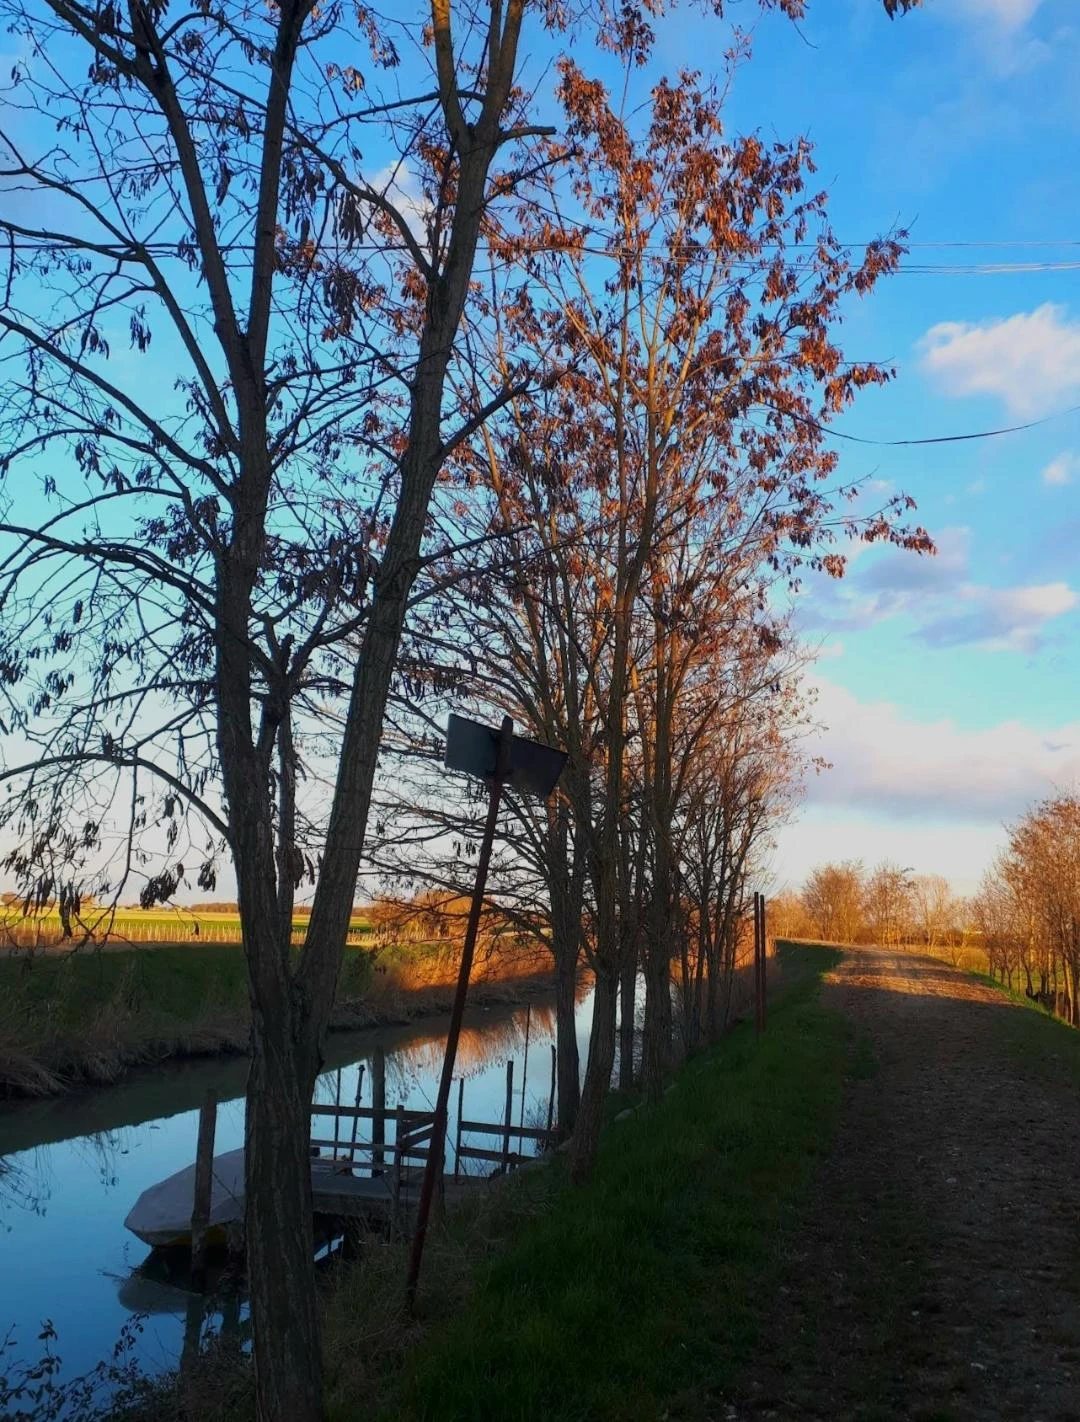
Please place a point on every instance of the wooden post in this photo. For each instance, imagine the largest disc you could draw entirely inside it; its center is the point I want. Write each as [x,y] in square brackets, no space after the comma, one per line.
[468,947]
[337,1112]
[460,1116]
[551,1095]
[757,968]
[525,1063]
[204,1183]
[764,961]
[399,1131]
[508,1121]
[194,1317]
[356,1119]
[378,1100]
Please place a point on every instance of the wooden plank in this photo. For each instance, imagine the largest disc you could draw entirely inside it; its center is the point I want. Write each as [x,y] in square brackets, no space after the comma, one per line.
[367,1112]
[413,1151]
[475,1153]
[492,1128]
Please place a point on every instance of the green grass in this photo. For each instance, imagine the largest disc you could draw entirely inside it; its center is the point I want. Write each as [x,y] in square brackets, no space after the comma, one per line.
[638,1295]
[1042,1045]
[85,1017]
[169,983]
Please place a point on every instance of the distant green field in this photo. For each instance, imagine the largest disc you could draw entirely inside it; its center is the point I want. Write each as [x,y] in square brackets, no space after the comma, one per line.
[134,925]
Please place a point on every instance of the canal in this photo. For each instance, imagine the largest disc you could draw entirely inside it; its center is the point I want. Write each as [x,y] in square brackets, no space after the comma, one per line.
[71,1168]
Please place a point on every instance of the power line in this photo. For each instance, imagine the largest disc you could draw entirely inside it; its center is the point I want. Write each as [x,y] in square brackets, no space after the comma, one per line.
[933,439]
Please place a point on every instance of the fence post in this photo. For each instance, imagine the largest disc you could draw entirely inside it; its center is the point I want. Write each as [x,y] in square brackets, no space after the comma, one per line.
[757,966]
[337,1113]
[378,1101]
[356,1119]
[204,1182]
[525,1063]
[551,1094]
[460,1114]
[398,1177]
[509,1109]
[764,962]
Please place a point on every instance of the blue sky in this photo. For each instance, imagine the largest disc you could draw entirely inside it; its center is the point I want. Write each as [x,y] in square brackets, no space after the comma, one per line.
[948,686]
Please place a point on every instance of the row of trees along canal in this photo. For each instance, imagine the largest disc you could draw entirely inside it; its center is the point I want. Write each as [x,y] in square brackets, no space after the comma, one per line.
[336,382]
[1022,924]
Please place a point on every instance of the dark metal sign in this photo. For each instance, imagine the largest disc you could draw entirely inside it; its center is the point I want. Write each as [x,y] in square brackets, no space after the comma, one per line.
[473,748]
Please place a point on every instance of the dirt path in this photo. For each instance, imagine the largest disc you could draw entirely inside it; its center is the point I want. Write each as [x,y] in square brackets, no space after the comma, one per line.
[936,1273]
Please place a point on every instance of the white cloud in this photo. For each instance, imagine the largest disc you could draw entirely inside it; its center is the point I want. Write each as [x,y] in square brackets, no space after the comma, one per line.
[1009,15]
[891,764]
[1061,470]
[402,187]
[1030,361]
[947,607]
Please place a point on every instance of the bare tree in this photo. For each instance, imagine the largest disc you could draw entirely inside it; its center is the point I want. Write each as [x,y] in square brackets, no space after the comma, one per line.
[932,907]
[834,897]
[178,605]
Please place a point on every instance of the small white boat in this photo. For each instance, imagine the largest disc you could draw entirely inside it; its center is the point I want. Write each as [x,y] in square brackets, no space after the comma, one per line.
[161,1216]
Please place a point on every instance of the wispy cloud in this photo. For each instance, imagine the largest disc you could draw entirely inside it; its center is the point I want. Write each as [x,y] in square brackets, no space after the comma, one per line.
[1030,361]
[1001,32]
[946,604]
[999,619]
[894,764]
[1008,15]
[1062,469]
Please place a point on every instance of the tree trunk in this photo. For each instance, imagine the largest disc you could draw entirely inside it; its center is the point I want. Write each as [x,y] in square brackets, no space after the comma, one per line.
[280,1246]
[656,1038]
[586,1136]
[627,1021]
[567,1066]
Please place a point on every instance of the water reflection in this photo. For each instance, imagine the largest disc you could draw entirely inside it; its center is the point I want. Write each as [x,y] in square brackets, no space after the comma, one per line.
[71,1168]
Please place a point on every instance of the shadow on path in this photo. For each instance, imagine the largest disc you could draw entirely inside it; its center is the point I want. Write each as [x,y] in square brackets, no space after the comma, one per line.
[935,1274]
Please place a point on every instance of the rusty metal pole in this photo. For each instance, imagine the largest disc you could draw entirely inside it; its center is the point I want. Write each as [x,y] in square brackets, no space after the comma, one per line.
[433,1166]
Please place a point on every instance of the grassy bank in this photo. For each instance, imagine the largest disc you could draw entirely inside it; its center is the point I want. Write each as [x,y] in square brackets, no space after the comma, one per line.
[85,1018]
[637,1296]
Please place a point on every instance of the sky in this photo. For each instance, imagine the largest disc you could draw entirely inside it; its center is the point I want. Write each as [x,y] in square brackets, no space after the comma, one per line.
[947,687]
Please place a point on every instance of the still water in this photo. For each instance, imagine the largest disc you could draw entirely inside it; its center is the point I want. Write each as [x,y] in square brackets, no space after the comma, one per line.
[71,1168]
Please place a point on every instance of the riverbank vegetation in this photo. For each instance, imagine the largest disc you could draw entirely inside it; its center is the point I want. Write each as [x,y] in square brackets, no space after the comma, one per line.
[531,422]
[690,1211]
[85,1018]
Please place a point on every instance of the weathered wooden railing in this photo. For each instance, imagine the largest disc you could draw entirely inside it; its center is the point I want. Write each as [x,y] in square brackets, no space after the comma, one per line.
[412,1139]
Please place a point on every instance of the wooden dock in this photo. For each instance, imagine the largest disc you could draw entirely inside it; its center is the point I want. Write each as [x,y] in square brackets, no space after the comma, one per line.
[377,1176]
[367,1165]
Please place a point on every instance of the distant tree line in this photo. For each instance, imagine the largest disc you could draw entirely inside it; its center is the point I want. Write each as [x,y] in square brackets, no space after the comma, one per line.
[1024,917]
[1027,908]
[844,902]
